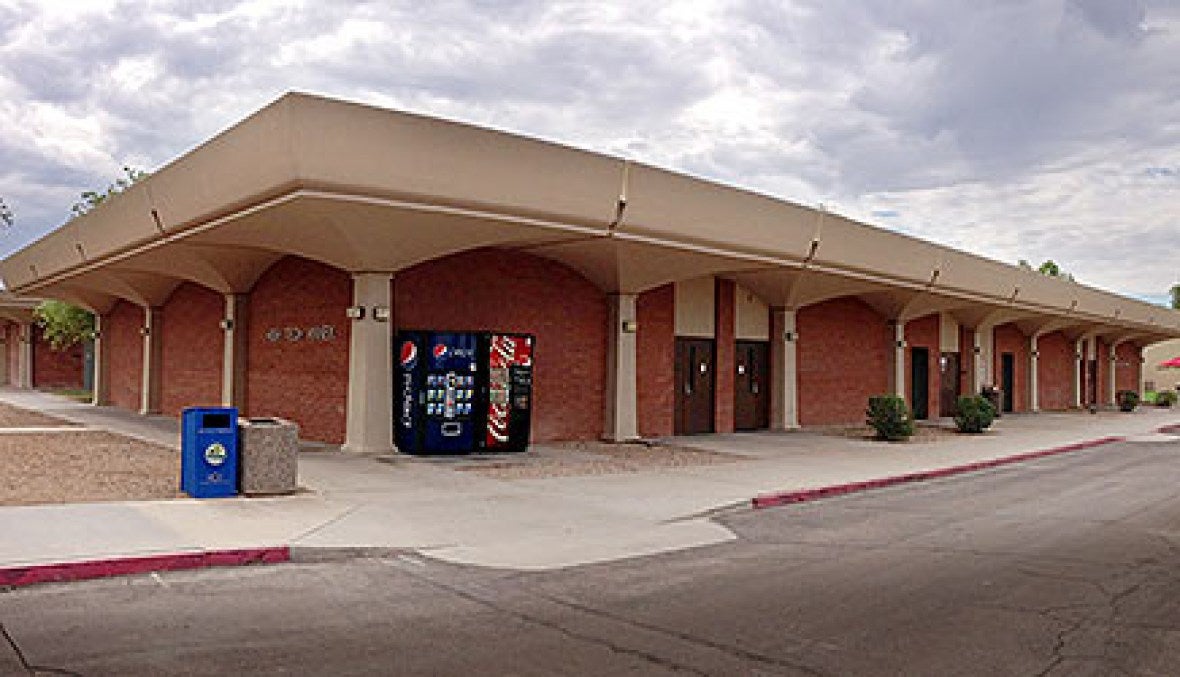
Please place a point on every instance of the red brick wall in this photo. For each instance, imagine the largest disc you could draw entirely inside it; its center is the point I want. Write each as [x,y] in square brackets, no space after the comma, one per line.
[844,357]
[120,328]
[1127,371]
[967,384]
[724,331]
[924,333]
[304,380]
[655,348]
[491,290]
[1055,363]
[1009,339]
[56,368]
[191,348]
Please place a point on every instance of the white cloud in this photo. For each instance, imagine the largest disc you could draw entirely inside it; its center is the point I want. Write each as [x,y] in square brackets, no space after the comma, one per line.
[1040,129]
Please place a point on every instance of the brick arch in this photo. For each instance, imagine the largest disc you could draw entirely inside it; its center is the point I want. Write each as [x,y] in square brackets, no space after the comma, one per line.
[844,357]
[489,289]
[191,345]
[1055,371]
[302,380]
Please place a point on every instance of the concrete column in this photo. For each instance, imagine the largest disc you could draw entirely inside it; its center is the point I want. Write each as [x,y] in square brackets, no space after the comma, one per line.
[978,362]
[369,423]
[1112,386]
[149,391]
[24,357]
[784,360]
[1142,371]
[101,395]
[234,353]
[899,359]
[622,404]
[1034,400]
[1078,372]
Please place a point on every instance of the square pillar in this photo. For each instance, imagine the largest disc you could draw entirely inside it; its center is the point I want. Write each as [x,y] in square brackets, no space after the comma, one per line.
[234,351]
[978,362]
[784,362]
[149,391]
[1079,372]
[369,419]
[101,395]
[899,379]
[24,357]
[1034,400]
[621,422]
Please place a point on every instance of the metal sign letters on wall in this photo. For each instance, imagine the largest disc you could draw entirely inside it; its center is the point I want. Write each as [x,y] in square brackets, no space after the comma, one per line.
[323,332]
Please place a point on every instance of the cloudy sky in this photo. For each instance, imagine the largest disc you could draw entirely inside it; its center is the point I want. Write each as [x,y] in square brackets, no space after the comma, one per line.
[1017,129]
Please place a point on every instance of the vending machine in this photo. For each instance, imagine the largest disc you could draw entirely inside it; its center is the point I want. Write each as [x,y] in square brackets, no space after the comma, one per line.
[462,392]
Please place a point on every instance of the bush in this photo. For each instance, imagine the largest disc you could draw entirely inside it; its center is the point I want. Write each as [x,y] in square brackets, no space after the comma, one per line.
[890,417]
[974,414]
[1165,398]
[1127,399]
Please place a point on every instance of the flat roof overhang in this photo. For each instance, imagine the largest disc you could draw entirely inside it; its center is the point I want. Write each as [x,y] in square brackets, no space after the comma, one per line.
[366,189]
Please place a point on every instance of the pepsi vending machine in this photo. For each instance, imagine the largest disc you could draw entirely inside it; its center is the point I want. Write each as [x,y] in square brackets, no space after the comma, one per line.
[461,392]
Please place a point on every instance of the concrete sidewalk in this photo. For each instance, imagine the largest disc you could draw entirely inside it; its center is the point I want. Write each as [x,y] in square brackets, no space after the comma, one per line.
[404,503]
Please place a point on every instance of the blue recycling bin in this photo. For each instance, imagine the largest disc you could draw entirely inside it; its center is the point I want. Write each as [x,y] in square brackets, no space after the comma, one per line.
[209,452]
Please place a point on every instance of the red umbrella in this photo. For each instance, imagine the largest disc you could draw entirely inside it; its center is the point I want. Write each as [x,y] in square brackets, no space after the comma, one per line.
[1173,363]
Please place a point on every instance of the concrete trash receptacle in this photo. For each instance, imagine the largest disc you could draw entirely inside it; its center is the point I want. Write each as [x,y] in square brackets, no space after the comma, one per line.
[268,450]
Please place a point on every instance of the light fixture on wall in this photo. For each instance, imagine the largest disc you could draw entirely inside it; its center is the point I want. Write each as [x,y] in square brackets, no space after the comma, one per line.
[145,331]
[381,313]
[1036,353]
[227,324]
[977,350]
[355,312]
[789,336]
[900,344]
[630,326]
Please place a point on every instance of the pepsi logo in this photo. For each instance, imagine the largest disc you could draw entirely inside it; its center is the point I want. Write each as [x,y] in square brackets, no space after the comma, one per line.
[409,354]
[440,351]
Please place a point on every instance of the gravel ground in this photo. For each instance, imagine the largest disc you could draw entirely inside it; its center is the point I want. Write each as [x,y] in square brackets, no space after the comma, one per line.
[84,466]
[15,417]
[922,433]
[593,458]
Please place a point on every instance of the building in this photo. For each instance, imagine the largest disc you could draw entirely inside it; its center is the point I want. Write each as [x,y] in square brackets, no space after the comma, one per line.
[661,303]
[27,360]
[1161,378]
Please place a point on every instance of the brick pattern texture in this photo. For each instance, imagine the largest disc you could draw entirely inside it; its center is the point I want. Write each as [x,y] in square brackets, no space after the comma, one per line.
[924,333]
[297,376]
[1129,364]
[1055,364]
[1009,339]
[486,289]
[844,357]
[655,347]
[121,328]
[56,368]
[967,384]
[191,349]
[1102,353]
[726,365]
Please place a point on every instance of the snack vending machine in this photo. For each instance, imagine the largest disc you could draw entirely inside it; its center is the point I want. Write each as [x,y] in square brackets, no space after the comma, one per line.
[462,392]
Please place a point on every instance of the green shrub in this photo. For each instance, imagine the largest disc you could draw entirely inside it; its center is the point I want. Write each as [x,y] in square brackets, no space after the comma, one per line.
[1165,398]
[1127,399]
[975,414]
[890,417]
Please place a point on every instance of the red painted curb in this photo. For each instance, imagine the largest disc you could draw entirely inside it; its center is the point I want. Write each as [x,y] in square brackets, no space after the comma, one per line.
[16,577]
[806,495]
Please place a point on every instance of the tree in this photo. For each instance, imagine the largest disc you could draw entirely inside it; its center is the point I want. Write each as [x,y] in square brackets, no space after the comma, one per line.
[92,198]
[63,324]
[6,217]
[1175,291]
[1049,269]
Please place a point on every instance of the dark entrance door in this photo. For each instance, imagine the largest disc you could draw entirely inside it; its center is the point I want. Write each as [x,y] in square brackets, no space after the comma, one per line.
[920,382]
[1092,384]
[694,386]
[751,402]
[1008,378]
[951,381]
